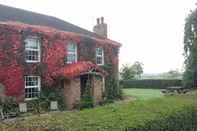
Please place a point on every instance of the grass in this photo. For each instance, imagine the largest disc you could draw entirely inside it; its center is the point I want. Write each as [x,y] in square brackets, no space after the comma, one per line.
[106,118]
[143,94]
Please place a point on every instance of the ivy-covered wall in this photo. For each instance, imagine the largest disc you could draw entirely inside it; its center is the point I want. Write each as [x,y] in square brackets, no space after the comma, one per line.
[13,67]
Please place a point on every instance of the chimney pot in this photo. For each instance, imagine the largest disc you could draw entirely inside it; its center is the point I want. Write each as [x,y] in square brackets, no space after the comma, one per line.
[100,28]
[102,20]
[98,21]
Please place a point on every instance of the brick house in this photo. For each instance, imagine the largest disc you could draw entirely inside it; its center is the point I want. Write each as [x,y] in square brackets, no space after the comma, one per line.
[39,51]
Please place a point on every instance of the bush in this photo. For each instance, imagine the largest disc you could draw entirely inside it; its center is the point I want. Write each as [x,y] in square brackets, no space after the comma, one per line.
[86,98]
[182,120]
[42,104]
[52,94]
[164,114]
[86,102]
[112,88]
[37,106]
[9,107]
[151,83]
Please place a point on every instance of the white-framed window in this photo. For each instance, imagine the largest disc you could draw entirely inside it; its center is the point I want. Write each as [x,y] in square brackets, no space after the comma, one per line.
[71,53]
[32,49]
[32,87]
[99,56]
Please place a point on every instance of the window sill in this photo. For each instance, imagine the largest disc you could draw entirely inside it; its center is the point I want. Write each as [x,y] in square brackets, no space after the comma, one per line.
[32,62]
[71,62]
[100,64]
[29,99]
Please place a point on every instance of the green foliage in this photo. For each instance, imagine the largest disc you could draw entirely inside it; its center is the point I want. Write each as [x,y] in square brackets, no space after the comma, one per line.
[86,102]
[172,74]
[151,83]
[37,106]
[42,104]
[9,106]
[137,68]
[164,114]
[87,99]
[131,72]
[127,72]
[112,88]
[190,50]
[52,94]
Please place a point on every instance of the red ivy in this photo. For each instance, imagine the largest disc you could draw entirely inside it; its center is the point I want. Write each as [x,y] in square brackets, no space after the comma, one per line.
[75,69]
[12,64]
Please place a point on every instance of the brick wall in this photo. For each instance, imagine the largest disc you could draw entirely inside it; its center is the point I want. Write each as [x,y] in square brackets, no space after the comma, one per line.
[97,89]
[72,92]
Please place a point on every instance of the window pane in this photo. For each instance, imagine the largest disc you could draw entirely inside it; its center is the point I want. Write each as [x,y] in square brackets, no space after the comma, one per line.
[32,86]
[31,43]
[71,58]
[31,93]
[32,49]
[72,53]
[71,47]
[99,60]
[99,51]
[31,81]
[99,56]
[31,55]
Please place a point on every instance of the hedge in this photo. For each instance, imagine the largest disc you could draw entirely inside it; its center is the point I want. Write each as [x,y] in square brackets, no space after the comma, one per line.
[163,114]
[151,83]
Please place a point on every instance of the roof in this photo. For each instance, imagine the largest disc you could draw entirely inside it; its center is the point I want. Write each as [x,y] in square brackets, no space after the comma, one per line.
[52,32]
[80,68]
[23,16]
[14,14]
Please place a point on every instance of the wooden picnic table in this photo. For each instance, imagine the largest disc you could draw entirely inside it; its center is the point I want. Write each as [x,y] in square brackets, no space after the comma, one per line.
[174,89]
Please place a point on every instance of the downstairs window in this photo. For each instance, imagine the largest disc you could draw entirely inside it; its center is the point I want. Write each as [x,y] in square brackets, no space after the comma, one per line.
[32,87]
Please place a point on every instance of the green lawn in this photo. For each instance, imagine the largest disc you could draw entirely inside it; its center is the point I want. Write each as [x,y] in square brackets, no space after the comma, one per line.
[142,94]
[163,112]
[112,117]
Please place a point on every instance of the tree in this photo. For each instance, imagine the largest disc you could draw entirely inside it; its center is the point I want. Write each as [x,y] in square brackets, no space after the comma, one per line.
[134,71]
[172,74]
[137,68]
[190,50]
[127,72]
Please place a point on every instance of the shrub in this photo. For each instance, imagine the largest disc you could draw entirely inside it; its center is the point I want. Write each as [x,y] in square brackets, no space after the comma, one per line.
[151,83]
[183,120]
[86,98]
[36,106]
[9,107]
[42,104]
[52,94]
[112,88]
[164,114]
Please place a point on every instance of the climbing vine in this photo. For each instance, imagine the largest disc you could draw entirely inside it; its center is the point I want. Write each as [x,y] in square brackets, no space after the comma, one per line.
[54,42]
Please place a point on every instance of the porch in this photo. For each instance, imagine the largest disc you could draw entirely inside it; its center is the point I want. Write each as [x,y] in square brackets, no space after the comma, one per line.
[86,80]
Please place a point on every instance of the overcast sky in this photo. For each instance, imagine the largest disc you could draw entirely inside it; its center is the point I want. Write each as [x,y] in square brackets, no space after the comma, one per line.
[151,31]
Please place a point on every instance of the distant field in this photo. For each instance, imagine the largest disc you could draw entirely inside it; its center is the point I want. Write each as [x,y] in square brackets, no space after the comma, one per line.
[143,94]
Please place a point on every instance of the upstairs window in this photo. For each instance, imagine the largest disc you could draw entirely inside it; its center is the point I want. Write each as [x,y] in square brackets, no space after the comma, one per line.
[71,53]
[99,56]
[32,50]
[32,87]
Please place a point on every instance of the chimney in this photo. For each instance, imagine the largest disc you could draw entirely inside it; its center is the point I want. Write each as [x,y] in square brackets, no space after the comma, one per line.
[101,27]
[102,20]
[98,21]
